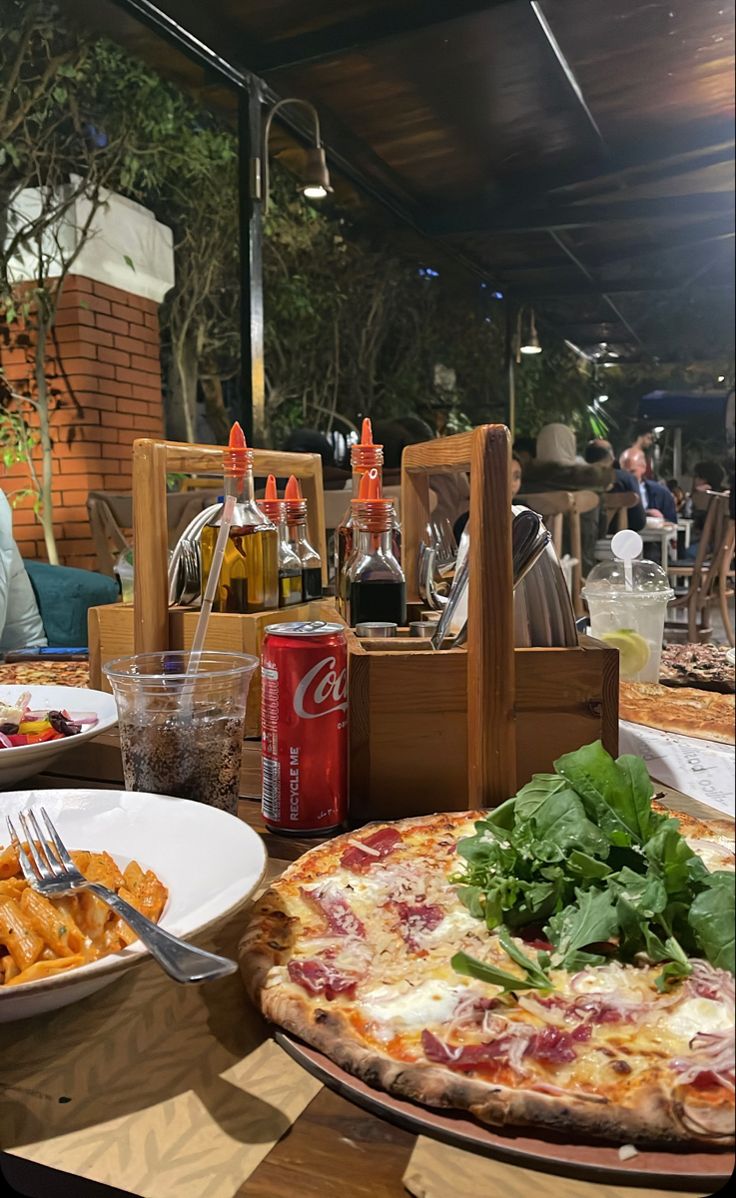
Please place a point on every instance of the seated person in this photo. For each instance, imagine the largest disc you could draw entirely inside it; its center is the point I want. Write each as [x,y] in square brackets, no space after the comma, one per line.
[462,520]
[310,440]
[599,450]
[678,494]
[525,450]
[20,620]
[557,467]
[656,499]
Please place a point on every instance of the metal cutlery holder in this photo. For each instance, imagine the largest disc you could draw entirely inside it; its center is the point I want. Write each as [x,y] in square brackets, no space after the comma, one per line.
[151,624]
[463,728]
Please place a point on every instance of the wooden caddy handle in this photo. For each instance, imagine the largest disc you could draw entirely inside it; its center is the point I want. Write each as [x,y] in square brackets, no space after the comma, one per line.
[486,454]
[152,461]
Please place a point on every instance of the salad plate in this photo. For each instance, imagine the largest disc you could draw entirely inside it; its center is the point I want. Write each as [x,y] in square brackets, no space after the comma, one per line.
[90,711]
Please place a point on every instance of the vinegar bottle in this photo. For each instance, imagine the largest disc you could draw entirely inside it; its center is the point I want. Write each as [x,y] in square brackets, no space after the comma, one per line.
[289,564]
[364,456]
[375,584]
[296,528]
[249,580]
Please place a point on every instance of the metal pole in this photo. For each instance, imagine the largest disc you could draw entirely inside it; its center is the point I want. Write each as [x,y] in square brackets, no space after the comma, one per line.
[253,411]
[511,380]
[677,455]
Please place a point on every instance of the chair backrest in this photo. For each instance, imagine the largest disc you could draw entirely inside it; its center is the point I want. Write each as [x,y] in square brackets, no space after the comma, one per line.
[617,503]
[552,506]
[111,518]
[715,547]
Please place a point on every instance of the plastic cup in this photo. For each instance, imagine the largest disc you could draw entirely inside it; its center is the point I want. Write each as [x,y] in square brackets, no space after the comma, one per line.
[614,619]
[183,735]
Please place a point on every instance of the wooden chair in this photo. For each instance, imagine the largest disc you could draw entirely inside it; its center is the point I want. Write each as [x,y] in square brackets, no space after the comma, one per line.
[553,506]
[615,504]
[710,577]
[581,502]
[111,516]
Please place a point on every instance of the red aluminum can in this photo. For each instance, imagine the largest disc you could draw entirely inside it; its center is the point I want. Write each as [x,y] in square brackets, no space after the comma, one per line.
[304,727]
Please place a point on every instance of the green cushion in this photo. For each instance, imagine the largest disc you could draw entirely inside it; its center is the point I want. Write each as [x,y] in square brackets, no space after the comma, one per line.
[64,597]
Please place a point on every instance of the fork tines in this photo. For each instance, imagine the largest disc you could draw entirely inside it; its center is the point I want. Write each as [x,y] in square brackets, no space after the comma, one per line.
[37,858]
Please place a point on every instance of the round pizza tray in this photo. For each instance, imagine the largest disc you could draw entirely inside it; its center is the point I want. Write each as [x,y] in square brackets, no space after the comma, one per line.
[682,1169]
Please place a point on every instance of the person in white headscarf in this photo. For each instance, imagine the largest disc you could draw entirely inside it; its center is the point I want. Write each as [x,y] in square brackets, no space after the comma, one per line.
[20,619]
[557,468]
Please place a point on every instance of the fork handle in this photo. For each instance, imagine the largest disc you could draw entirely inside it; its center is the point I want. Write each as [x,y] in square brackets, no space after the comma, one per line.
[183,962]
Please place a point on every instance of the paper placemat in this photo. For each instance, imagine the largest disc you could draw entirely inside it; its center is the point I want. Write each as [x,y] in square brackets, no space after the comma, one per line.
[163,1090]
[703,769]
[439,1171]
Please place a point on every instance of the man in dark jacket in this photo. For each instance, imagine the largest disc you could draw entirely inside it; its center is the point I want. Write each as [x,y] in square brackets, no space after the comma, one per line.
[601,451]
[657,499]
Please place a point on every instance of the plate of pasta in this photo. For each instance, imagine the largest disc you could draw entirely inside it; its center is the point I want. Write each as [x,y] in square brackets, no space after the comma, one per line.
[40,723]
[186,865]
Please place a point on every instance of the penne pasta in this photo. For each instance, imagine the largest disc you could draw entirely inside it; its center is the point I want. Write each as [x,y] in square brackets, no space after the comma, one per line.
[9,863]
[49,922]
[40,937]
[45,969]
[102,868]
[17,934]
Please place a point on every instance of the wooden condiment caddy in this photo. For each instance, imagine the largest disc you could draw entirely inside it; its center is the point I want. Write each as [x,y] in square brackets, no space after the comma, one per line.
[149,624]
[460,728]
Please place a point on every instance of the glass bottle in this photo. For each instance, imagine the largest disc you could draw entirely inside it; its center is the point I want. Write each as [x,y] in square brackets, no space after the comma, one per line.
[249,579]
[375,584]
[289,564]
[296,529]
[364,456]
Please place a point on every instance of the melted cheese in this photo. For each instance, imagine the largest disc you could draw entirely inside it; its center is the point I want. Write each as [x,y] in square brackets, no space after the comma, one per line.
[713,853]
[412,1008]
[696,1015]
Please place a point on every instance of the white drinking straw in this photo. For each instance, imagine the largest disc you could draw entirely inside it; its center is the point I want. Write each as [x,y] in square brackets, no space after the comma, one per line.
[627,545]
[235,465]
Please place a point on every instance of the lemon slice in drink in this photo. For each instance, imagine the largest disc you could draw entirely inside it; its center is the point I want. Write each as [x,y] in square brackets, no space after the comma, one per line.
[633,648]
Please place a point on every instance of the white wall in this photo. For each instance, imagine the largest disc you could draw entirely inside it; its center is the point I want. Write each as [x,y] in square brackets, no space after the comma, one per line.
[128,247]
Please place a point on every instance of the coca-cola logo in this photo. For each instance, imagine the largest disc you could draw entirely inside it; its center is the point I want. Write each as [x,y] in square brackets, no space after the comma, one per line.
[321,690]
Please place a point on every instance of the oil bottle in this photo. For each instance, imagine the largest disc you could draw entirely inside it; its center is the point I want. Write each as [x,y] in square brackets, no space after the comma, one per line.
[296,528]
[289,565]
[249,580]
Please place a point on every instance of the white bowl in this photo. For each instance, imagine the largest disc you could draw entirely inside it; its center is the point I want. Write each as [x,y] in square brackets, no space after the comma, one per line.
[210,861]
[27,760]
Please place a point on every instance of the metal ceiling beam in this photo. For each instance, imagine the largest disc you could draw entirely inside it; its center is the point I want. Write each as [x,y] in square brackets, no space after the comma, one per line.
[540,219]
[535,291]
[566,69]
[366,32]
[656,161]
[596,283]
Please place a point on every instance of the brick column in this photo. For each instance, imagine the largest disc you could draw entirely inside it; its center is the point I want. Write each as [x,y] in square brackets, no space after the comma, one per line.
[108,357]
[104,354]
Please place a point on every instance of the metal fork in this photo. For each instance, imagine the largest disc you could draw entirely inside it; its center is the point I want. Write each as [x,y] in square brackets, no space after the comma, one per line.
[54,875]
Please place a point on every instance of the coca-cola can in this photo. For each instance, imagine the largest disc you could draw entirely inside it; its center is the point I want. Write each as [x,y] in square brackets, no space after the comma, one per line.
[304,727]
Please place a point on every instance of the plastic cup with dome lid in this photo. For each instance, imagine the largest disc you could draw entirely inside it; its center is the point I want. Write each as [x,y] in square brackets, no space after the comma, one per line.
[627,600]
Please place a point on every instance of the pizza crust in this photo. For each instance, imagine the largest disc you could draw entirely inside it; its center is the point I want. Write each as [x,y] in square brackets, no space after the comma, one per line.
[706,715]
[657,1116]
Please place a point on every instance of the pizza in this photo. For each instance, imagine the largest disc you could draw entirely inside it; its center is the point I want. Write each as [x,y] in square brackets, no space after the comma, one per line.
[703,667]
[706,715]
[361,947]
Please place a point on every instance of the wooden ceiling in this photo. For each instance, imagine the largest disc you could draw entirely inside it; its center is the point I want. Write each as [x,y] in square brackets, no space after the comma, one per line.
[576,154]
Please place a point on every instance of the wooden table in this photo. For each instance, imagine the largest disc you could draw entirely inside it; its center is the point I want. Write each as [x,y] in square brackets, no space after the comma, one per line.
[334,1149]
